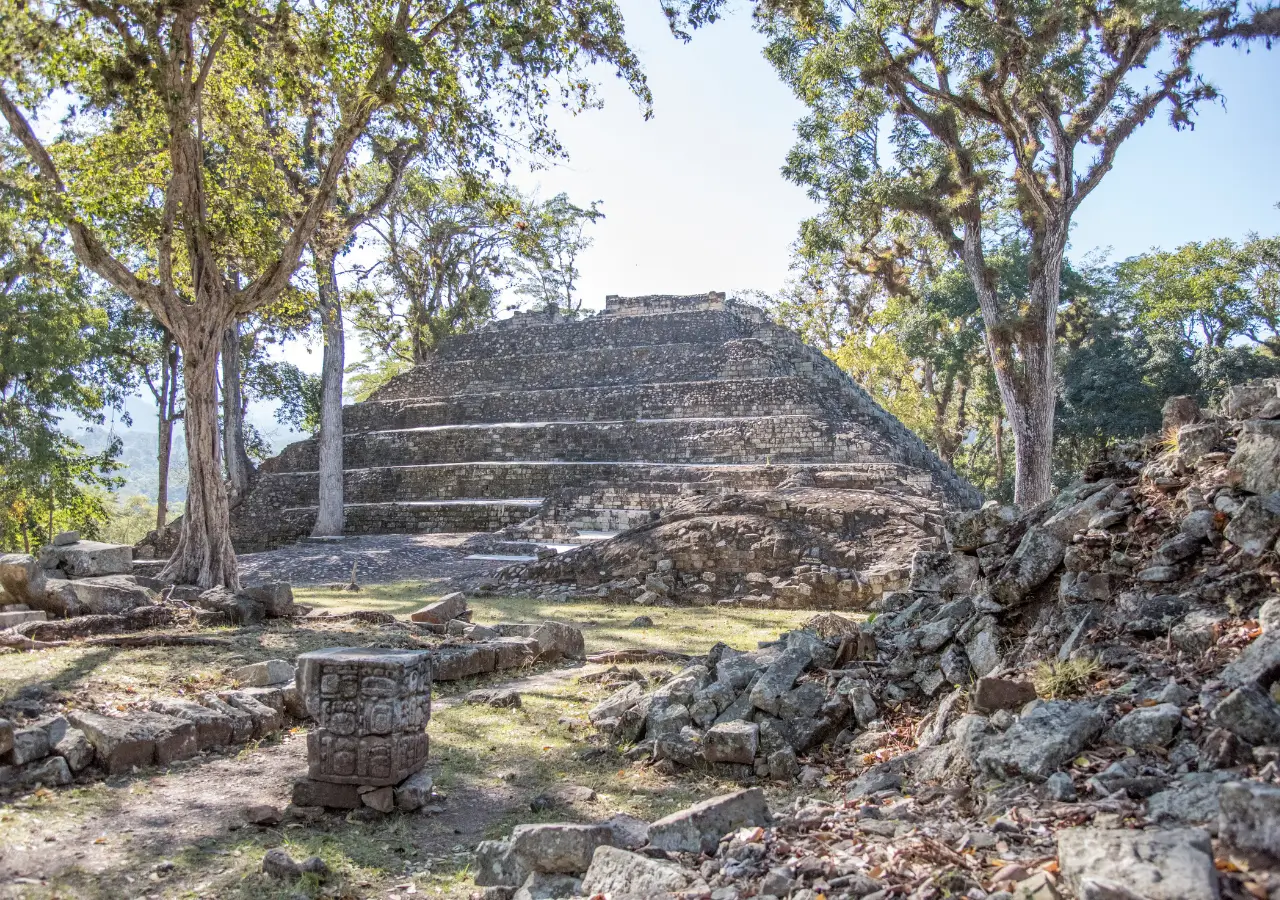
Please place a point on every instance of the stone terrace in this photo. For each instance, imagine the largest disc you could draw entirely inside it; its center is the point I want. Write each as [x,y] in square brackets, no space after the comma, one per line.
[598,422]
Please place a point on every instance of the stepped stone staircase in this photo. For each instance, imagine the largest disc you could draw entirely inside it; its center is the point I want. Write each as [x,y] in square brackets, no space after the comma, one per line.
[595,425]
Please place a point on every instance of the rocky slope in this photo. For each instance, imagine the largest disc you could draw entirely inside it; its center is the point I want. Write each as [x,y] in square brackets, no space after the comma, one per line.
[1078,700]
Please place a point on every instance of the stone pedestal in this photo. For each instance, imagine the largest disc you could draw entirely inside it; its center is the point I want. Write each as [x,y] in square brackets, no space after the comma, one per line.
[371,708]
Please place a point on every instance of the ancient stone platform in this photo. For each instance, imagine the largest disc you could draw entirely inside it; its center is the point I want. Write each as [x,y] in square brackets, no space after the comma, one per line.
[596,424]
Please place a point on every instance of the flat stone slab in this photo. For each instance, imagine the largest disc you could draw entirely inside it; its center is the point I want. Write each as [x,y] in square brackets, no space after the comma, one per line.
[699,828]
[1173,864]
[446,608]
[18,617]
[84,559]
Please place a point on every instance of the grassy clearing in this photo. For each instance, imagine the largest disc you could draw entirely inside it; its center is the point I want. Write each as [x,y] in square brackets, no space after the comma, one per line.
[604,625]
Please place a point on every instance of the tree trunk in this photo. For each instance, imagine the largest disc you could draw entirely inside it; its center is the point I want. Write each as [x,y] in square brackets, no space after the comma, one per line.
[168,401]
[239,468]
[329,510]
[204,555]
[1020,341]
[998,434]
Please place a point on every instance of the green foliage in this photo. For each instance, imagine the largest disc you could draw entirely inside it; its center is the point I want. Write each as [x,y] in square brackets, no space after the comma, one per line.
[60,351]
[546,245]
[130,518]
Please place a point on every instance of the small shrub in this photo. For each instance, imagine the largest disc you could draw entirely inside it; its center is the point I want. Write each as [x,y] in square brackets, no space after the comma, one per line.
[1056,680]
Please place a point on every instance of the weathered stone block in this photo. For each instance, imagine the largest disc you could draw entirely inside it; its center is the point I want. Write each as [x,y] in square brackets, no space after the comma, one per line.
[175,739]
[558,848]
[102,595]
[241,721]
[732,742]
[448,607]
[621,873]
[29,745]
[1249,817]
[213,729]
[261,674]
[307,792]
[86,559]
[1158,865]
[120,744]
[6,736]
[266,720]
[699,828]
[414,792]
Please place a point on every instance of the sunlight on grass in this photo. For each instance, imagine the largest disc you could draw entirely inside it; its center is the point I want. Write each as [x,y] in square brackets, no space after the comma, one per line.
[605,625]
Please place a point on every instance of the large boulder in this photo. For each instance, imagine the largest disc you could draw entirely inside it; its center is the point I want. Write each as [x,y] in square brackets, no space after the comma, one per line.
[1256,463]
[105,595]
[1038,554]
[621,875]
[1256,525]
[1041,741]
[23,580]
[87,559]
[1249,817]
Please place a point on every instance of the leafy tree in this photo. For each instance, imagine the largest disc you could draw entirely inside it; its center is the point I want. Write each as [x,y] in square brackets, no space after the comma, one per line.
[974,119]
[179,114]
[547,244]
[60,352]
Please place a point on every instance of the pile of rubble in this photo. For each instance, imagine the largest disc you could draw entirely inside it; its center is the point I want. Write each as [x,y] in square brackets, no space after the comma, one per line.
[84,744]
[802,545]
[1054,679]
[89,588]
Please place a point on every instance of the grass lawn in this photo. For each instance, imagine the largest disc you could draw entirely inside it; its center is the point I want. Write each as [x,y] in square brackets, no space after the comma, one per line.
[606,626]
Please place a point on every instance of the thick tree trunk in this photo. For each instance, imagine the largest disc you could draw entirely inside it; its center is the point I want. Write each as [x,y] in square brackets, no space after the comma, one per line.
[168,412]
[239,468]
[204,555]
[329,510]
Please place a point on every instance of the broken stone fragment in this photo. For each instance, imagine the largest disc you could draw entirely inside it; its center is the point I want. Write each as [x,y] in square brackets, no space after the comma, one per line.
[175,739]
[276,598]
[262,814]
[261,674]
[277,863]
[558,848]
[497,865]
[73,746]
[620,873]
[1249,713]
[99,595]
[120,744]
[381,799]
[29,745]
[240,721]
[266,721]
[87,559]
[732,742]
[50,772]
[1249,817]
[23,579]
[990,694]
[1151,726]
[945,573]
[495,697]
[1256,463]
[699,828]
[1038,554]
[1174,864]
[1041,741]
[307,792]
[1256,525]
[414,792]
[448,607]
[776,681]
[543,886]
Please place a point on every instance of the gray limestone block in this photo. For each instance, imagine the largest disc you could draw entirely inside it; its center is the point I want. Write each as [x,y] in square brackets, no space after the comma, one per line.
[1256,462]
[611,707]
[497,865]
[23,579]
[308,792]
[1040,741]
[1256,525]
[448,607]
[261,674]
[937,571]
[213,729]
[266,721]
[1173,864]
[175,738]
[241,721]
[74,747]
[86,559]
[51,771]
[732,742]
[276,598]
[559,847]
[6,736]
[776,681]
[119,743]
[1249,817]
[542,886]
[414,792]
[1039,553]
[699,828]
[1148,726]
[736,670]
[1065,523]
[99,595]
[1249,713]
[29,745]
[452,663]
[623,874]
[667,720]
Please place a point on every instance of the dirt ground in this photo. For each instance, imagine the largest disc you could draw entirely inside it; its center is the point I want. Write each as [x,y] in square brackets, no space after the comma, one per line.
[179,832]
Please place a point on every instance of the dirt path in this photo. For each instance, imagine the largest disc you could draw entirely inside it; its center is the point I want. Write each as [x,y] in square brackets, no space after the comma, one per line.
[181,833]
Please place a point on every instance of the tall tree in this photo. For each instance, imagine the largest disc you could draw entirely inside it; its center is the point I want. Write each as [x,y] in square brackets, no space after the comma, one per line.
[548,241]
[180,111]
[970,117]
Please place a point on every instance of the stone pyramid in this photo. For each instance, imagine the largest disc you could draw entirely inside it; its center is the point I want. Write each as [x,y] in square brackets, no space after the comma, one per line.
[596,425]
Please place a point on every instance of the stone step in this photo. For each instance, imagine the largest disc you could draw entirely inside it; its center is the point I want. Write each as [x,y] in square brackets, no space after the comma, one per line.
[664,400]
[709,326]
[756,440]
[289,524]
[596,366]
[500,480]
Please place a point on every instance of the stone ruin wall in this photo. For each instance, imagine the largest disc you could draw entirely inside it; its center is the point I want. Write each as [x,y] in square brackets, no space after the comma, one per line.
[600,420]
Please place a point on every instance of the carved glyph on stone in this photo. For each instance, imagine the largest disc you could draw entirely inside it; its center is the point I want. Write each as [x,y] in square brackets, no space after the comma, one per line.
[371,709]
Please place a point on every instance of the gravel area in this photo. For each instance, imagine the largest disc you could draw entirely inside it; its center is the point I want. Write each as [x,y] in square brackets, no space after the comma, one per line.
[379,559]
